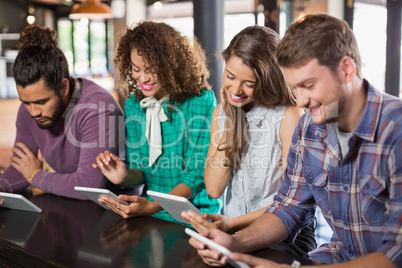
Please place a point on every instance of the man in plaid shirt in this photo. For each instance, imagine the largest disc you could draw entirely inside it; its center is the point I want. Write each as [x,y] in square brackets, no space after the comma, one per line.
[345,157]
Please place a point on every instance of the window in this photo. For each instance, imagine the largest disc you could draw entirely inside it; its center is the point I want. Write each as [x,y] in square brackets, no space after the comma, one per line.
[87,45]
[369,19]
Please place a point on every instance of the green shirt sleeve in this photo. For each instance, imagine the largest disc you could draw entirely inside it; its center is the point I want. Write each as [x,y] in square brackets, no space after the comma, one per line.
[198,136]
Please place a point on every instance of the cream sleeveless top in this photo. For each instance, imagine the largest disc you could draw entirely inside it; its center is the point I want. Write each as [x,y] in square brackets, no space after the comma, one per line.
[254,185]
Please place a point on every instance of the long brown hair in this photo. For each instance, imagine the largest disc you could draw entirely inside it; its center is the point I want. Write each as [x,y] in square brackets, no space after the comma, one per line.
[255,46]
[181,68]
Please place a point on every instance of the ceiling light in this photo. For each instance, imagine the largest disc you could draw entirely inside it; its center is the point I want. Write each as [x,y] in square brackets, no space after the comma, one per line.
[118,8]
[91,9]
[31,15]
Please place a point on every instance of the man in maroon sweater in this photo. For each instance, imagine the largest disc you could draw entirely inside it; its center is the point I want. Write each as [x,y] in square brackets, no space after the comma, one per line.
[62,122]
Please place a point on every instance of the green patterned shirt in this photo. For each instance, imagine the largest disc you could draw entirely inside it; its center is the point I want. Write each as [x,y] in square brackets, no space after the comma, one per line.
[185,142]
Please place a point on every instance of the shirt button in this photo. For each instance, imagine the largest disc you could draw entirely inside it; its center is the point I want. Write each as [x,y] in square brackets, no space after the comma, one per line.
[346,188]
[311,176]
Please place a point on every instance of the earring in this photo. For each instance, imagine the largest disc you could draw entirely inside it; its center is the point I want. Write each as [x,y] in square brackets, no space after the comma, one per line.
[137,86]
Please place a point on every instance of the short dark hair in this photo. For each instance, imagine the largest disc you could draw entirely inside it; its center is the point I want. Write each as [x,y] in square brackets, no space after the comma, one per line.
[320,37]
[40,57]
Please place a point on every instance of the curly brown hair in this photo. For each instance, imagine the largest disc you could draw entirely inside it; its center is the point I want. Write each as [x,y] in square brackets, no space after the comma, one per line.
[181,68]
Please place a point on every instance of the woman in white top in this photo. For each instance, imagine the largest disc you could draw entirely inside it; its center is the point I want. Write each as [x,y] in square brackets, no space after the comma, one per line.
[251,131]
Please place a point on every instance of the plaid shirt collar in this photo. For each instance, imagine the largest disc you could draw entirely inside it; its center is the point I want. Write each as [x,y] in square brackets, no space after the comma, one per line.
[368,123]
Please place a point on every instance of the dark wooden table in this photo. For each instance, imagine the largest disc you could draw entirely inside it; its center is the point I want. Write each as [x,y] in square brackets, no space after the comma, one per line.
[75,233]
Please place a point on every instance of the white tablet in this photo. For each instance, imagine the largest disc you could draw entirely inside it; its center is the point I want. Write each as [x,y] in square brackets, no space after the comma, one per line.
[174,204]
[17,201]
[221,249]
[94,193]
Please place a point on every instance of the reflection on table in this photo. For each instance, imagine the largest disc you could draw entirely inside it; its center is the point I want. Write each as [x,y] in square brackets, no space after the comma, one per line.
[76,233]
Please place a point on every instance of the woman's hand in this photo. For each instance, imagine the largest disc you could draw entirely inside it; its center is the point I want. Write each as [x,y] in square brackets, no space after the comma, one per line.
[208,221]
[222,95]
[111,166]
[139,206]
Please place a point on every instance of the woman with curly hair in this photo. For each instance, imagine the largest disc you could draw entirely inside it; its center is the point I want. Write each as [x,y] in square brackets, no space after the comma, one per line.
[167,120]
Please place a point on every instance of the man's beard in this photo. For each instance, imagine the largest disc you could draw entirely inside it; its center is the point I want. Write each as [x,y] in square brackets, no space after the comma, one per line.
[51,121]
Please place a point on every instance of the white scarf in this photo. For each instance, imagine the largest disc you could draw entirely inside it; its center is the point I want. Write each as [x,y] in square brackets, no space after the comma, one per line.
[155,115]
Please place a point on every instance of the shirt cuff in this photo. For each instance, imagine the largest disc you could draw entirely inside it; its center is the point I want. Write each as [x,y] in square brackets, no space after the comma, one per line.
[194,184]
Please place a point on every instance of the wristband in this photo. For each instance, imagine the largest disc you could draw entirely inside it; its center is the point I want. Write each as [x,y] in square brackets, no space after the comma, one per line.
[36,171]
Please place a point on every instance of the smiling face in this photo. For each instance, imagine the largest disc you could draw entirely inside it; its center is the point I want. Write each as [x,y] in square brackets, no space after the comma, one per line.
[239,83]
[42,103]
[318,90]
[148,81]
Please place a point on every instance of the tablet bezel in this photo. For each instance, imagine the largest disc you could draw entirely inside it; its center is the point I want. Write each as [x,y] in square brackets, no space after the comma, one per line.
[94,193]
[18,202]
[174,204]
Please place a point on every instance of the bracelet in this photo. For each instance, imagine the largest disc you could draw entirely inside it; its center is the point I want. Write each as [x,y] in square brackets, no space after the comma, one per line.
[36,171]
[295,264]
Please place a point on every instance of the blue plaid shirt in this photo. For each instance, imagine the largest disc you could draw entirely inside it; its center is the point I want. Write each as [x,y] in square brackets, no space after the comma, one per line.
[359,195]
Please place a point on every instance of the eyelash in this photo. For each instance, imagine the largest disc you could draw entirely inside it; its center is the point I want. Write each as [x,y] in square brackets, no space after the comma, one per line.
[37,103]
[232,78]
[133,67]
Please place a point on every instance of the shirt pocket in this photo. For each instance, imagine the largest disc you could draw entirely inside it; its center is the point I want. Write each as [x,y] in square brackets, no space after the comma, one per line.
[373,198]
[318,179]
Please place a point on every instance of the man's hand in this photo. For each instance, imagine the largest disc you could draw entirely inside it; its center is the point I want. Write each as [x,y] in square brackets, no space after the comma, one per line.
[25,162]
[212,257]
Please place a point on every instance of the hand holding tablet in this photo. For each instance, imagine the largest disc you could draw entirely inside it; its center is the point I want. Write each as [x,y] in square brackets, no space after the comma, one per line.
[94,193]
[174,204]
[221,249]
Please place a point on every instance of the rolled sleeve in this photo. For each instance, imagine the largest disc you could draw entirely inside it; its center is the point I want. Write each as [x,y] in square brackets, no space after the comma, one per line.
[294,203]
[198,136]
